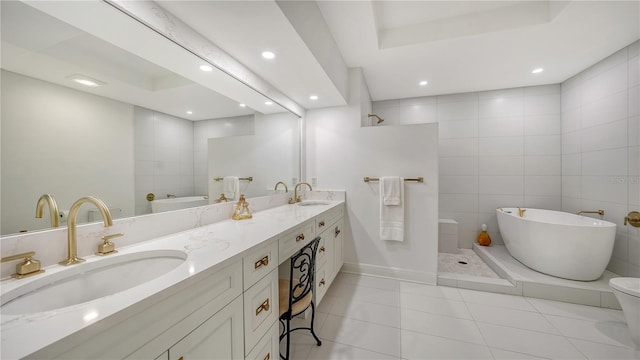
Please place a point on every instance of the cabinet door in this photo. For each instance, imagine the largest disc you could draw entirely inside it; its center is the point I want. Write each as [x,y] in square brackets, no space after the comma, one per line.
[338,249]
[261,309]
[220,337]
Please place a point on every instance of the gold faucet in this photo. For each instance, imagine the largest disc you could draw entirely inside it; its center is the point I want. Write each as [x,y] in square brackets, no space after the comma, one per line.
[286,189]
[53,209]
[221,199]
[72,250]
[298,198]
[521,212]
[28,267]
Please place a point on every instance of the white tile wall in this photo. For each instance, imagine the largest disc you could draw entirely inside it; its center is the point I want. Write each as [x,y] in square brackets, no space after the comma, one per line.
[600,134]
[497,148]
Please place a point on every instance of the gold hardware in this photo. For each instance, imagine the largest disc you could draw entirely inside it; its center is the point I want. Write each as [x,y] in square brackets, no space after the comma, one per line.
[72,245]
[268,357]
[107,247]
[221,199]
[181,358]
[264,306]
[262,262]
[337,231]
[521,212]
[28,267]
[286,189]
[377,117]
[296,197]
[250,178]
[151,196]
[599,212]
[633,218]
[322,282]
[321,224]
[418,179]
[321,249]
[300,237]
[54,213]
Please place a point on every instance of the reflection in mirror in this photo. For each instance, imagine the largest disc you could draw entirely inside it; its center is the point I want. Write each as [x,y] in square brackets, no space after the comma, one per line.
[143,128]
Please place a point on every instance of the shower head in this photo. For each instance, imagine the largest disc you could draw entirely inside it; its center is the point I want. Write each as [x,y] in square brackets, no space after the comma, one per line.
[377,117]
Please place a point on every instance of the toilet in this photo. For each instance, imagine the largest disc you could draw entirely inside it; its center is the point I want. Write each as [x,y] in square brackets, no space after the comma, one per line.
[627,291]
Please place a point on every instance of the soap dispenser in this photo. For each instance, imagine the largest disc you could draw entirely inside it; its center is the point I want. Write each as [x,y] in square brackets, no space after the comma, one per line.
[242,210]
[483,238]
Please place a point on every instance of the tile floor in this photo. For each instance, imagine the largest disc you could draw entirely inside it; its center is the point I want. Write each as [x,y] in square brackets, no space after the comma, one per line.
[364,317]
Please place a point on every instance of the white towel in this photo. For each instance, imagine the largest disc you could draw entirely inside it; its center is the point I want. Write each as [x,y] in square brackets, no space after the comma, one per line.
[390,189]
[392,216]
[231,187]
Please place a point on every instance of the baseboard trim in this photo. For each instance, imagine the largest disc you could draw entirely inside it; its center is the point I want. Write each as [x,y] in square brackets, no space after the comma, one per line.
[391,273]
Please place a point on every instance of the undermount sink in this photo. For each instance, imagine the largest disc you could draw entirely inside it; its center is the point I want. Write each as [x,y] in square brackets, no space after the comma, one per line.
[89,281]
[313,203]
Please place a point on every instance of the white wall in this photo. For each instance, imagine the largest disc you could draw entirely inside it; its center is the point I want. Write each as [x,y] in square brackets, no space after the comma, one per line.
[340,153]
[600,148]
[497,148]
[64,142]
[164,157]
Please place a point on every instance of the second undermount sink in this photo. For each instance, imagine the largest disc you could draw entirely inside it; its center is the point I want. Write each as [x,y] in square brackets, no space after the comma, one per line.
[313,203]
[89,281]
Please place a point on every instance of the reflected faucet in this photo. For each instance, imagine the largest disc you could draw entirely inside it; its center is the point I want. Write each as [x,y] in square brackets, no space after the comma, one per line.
[72,250]
[521,212]
[286,189]
[296,197]
[53,209]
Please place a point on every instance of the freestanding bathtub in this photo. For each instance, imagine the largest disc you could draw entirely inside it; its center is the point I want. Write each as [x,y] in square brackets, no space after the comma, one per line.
[178,203]
[557,243]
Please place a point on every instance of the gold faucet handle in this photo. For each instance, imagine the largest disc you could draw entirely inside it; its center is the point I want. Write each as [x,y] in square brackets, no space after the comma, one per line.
[107,247]
[28,267]
[633,218]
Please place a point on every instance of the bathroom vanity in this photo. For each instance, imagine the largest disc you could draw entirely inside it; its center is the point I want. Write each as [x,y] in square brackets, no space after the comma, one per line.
[221,301]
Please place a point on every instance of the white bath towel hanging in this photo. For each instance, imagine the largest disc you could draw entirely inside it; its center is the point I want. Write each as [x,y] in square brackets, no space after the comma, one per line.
[231,187]
[392,210]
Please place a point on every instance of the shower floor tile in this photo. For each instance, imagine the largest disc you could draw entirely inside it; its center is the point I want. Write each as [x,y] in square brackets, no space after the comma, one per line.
[466,262]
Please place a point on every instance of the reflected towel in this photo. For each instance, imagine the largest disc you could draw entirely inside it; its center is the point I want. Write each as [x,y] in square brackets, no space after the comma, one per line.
[392,216]
[231,187]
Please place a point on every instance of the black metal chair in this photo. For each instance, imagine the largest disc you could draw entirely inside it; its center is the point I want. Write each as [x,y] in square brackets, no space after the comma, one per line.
[296,293]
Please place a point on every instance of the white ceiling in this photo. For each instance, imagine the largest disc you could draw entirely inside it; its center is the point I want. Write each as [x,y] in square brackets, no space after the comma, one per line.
[457,46]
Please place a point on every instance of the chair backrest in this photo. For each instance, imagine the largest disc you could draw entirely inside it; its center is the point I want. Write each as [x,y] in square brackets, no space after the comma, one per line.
[302,274]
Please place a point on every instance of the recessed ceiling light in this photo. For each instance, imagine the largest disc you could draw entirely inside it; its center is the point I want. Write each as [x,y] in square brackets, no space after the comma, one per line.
[189,112]
[243,105]
[537,70]
[313,97]
[423,83]
[206,68]
[86,81]
[268,103]
[268,55]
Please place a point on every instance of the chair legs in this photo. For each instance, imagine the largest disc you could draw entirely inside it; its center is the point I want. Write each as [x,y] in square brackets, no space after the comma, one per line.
[286,332]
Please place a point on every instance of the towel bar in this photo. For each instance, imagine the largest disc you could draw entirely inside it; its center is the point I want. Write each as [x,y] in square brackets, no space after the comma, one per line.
[250,178]
[419,179]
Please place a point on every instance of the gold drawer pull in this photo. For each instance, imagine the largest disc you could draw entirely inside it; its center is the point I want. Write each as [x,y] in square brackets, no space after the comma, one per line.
[337,231]
[181,358]
[268,357]
[264,306]
[262,262]
[322,282]
[321,249]
[321,224]
[300,237]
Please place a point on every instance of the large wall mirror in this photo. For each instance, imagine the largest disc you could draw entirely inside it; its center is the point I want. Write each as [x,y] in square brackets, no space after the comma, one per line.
[121,118]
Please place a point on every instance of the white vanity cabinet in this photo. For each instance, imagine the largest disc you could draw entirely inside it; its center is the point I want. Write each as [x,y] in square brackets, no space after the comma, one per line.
[329,256]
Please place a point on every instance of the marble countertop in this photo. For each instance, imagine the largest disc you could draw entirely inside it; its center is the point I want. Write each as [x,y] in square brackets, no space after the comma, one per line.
[207,247]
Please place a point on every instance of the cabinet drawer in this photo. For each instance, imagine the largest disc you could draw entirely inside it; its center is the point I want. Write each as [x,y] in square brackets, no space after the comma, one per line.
[268,348]
[327,218]
[321,285]
[260,309]
[294,239]
[259,262]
